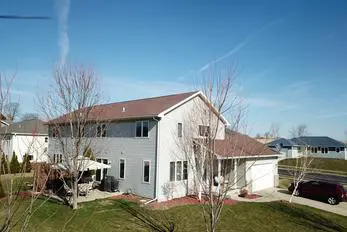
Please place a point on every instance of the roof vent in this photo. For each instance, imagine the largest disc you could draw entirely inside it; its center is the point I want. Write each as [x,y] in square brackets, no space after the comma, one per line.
[123,109]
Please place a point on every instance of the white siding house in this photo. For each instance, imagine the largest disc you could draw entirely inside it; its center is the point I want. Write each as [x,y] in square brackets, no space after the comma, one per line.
[25,137]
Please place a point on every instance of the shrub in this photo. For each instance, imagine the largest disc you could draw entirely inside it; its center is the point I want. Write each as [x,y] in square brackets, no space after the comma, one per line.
[14,165]
[26,165]
[2,192]
[243,192]
[4,165]
[89,154]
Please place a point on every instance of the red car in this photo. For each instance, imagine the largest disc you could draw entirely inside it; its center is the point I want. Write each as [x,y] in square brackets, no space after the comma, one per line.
[332,193]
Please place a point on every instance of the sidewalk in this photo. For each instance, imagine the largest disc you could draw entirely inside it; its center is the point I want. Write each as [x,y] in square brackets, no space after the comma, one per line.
[280,194]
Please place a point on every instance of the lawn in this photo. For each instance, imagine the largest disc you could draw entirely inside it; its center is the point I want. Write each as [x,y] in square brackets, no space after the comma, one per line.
[335,165]
[108,215]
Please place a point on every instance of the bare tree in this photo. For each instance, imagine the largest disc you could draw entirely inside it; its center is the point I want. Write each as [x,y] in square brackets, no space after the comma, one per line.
[14,212]
[11,110]
[304,159]
[274,130]
[29,116]
[73,119]
[211,153]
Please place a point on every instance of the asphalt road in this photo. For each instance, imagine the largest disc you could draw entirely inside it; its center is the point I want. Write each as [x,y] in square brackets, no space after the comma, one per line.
[315,176]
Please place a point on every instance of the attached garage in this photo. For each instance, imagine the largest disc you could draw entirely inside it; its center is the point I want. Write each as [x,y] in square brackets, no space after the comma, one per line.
[262,176]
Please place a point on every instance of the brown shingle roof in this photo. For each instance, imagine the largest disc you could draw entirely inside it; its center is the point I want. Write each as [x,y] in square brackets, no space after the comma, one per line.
[237,144]
[32,126]
[141,108]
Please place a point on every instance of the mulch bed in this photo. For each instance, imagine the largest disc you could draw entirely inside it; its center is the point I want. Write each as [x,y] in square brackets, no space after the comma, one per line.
[187,200]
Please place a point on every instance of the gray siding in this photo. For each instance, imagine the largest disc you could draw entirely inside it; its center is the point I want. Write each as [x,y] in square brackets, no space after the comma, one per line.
[122,143]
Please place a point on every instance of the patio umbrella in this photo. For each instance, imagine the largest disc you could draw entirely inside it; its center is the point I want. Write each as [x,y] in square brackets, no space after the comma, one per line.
[84,165]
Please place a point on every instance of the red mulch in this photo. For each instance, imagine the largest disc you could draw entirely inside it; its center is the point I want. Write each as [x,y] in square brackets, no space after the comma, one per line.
[252,196]
[187,200]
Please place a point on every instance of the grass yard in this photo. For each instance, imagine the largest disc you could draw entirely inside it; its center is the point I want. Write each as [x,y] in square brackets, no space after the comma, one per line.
[108,215]
[336,165]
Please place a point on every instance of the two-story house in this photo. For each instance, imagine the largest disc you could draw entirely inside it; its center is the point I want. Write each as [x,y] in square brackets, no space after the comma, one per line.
[140,138]
[25,137]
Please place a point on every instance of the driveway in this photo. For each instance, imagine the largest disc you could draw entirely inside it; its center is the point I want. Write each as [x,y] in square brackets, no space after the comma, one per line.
[281,194]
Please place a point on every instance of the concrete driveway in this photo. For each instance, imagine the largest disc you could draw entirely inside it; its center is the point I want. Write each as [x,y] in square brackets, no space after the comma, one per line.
[281,194]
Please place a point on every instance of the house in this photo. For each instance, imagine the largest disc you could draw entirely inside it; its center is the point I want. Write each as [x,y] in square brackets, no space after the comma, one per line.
[140,138]
[25,137]
[317,146]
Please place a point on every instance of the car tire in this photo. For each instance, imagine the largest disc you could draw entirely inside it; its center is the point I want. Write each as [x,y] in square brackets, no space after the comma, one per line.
[332,200]
[296,193]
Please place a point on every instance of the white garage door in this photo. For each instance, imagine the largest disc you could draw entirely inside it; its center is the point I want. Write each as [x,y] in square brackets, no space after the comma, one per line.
[262,177]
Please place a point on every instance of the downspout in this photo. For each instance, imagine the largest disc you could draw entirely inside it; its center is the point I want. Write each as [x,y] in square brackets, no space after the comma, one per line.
[156,192]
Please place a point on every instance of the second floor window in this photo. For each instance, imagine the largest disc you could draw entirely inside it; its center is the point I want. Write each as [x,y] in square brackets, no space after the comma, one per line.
[101,130]
[55,132]
[141,129]
[179,130]
[204,131]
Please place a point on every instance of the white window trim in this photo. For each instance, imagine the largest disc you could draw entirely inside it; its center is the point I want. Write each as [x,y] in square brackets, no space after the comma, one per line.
[124,168]
[142,129]
[182,167]
[143,172]
[101,130]
[170,171]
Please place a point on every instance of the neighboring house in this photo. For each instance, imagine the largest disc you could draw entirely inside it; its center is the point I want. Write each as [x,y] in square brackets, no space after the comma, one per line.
[25,137]
[317,146]
[140,138]
[264,140]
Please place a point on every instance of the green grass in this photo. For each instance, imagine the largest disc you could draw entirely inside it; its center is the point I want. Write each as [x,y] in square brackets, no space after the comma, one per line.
[108,215]
[336,165]
[284,182]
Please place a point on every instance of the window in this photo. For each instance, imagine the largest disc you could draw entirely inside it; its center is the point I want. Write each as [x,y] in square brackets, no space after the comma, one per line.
[179,130]
[46,139]
[185,170]
[146,171]
[122,168]
[179,170]
[172,171]
[57,158]
[31,157]
[55,132]
[204,131]
[101,130]
[337,149]
[141,129]
[326,150]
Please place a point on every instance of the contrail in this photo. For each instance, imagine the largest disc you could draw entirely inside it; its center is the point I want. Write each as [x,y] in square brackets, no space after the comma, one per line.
[63,7]
[240,45]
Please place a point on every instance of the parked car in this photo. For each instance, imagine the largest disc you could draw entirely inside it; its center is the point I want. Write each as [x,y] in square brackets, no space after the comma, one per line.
[332,193]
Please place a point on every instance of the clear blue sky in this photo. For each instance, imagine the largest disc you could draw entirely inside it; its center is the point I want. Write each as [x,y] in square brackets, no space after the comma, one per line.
[290,56]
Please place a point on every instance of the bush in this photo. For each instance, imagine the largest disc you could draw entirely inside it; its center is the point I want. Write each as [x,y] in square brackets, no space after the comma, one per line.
[2,192]
[4,165]
[89,154]
[14,165]
[26,165]
[243,192]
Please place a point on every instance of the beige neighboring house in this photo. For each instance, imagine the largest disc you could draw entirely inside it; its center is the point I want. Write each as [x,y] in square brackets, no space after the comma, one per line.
[25,137]
[264,140]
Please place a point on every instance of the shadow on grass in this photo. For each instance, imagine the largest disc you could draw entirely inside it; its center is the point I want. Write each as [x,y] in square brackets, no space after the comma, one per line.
[306,217]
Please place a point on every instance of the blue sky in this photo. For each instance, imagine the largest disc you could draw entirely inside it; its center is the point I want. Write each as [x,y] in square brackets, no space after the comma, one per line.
[290,56]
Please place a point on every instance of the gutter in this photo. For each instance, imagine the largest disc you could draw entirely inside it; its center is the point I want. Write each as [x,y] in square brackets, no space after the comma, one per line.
[156,191]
